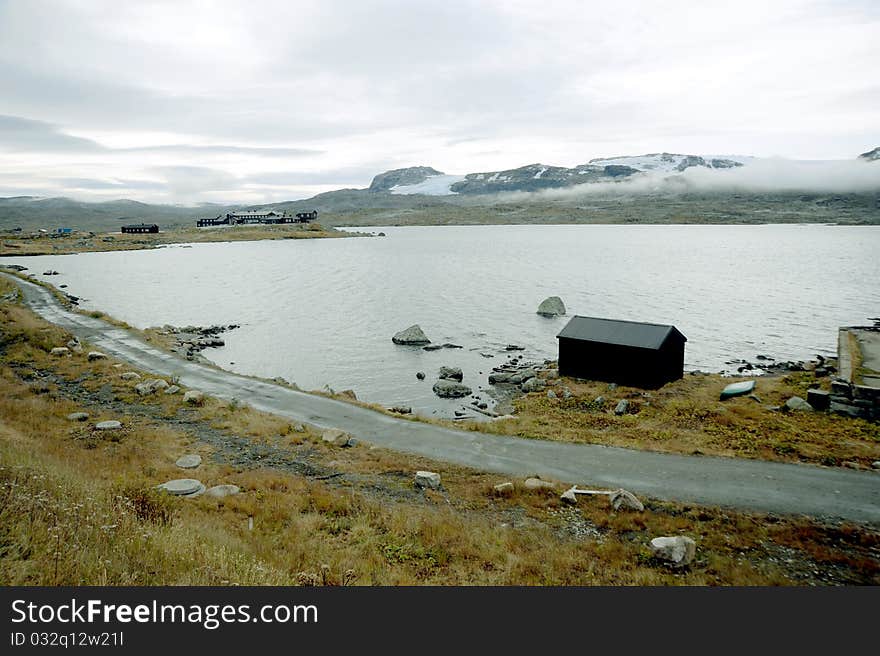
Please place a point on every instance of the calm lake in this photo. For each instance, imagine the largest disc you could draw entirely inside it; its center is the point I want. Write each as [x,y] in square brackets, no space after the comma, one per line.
[322,312]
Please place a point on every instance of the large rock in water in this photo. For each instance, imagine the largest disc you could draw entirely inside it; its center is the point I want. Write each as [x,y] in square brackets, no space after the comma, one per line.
[551,307]
[451,373]
[412,335]
[449,389]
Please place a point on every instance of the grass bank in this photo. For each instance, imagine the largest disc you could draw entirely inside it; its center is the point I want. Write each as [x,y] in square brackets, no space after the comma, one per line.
[87,242]
[78,506]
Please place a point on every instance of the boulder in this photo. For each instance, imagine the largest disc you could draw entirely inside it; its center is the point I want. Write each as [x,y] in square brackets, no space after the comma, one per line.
[533,384]
[335,437]
[551,307]
[401,409]
[451,373]
[143,389]
[130,375]
[60,350]
[412,335]
[172,389]
[503,489]
[420,375]
[111,424]
[623,499]
[194,397]
[221,491]
[622,407]
[797,403]
[449,389]
[78,416]
[157,384]
[538,484]
[74,345]
[189,461]
[96,355]
[426,479]
[875,464]
[678,551]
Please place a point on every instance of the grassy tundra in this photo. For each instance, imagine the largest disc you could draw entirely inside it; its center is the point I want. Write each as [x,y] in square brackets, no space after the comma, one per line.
[78,506]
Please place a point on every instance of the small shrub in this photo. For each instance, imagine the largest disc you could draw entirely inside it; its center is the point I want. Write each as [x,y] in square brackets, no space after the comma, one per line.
[148,504]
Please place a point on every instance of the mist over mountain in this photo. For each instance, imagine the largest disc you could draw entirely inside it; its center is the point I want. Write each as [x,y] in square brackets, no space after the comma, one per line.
[656,187]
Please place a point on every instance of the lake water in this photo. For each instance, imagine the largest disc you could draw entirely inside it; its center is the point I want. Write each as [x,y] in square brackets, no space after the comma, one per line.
[322,312]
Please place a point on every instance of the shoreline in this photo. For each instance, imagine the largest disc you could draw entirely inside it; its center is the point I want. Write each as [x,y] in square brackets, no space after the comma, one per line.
[100,242]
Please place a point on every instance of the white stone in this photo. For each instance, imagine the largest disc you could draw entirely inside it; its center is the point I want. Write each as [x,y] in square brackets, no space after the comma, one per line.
[189,461]
[96,355]
[426,479]
[538,484]
[626,500]
[60,350]
[335,437]
[173,389]
[194,397]
[158,384]
[220,491]
[130,375]
[143,389]
[622,407]
[78,416]
[111,424]
[551,307]
[798,404]
[503,488]
[678,550]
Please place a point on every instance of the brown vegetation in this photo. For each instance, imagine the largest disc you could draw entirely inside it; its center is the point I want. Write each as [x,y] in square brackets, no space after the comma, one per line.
[80,507]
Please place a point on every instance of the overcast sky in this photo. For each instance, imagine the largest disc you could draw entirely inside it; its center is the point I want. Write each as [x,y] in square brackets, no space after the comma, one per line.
[258,101]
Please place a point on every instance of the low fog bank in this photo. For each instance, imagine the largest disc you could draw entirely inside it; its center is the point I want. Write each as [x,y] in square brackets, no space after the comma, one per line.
[758,176]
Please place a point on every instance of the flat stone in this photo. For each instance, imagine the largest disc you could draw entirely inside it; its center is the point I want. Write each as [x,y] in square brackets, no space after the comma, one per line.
[130,375]
[426,479]
[538,484]
[96,355]
[111,424]
[336,437]
[503,488]
[678,550]
[875,464]
[796,403]
[78,416]
[189,461]
[60,350]
[221,491]
[449,389]
[172,389]
[183,487]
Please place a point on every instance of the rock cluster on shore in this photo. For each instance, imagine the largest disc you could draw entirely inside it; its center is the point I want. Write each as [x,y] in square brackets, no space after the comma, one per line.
[191,340]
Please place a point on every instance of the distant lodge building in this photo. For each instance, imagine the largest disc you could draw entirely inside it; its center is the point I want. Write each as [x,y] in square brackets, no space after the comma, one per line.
[646,355]
[258,216]
[140,228]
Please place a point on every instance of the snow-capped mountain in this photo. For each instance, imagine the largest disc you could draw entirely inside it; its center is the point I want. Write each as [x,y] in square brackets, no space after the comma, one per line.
[673,162]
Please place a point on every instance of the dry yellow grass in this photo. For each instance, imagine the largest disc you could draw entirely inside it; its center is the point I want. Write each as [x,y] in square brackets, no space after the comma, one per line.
[686,416]
[78,507]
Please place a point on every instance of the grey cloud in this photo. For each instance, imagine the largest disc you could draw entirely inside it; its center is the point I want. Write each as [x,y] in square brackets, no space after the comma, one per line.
[22,134]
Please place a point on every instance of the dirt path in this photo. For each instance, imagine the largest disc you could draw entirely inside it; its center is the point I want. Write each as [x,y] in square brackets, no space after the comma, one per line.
[820,492]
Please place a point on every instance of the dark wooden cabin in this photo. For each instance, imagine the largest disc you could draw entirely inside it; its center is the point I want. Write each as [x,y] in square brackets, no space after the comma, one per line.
[139,228]
[646,355]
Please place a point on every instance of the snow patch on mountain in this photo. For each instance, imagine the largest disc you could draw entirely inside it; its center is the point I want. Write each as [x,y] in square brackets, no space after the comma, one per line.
[434,185]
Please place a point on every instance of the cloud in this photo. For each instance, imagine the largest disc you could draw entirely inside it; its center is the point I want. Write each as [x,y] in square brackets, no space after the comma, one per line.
[758,176]
[21,134]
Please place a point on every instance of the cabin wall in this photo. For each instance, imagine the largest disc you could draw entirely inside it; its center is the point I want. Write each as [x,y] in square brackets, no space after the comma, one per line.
[624,365]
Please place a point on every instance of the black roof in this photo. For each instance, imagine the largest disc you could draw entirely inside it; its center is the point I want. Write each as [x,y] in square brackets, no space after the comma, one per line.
[622,333]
